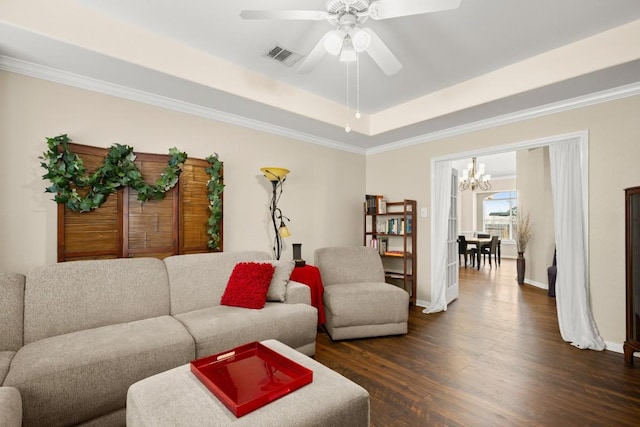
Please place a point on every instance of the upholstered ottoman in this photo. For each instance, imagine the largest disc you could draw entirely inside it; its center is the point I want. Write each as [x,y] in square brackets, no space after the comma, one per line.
[177,398]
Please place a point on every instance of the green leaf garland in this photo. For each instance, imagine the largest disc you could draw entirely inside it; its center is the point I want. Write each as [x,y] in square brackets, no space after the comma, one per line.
[65,169]
[215,188]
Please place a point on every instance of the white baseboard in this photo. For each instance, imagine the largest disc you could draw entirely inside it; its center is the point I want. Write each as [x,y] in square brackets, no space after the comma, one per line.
[536,284]
[617,348]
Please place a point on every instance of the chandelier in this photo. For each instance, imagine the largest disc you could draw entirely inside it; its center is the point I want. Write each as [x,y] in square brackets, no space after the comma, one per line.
[474,178]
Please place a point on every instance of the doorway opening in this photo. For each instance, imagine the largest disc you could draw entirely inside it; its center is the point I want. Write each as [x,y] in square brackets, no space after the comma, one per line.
[440,255]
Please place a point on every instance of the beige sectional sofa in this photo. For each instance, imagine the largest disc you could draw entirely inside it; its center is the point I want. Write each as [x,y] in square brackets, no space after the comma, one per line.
[74,336]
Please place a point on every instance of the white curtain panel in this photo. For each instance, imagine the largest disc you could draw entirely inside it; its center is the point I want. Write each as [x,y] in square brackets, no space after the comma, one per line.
[572,282]
[439,232]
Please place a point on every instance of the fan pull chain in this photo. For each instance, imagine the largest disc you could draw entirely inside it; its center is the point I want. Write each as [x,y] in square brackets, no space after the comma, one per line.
[347,128]
[358,115]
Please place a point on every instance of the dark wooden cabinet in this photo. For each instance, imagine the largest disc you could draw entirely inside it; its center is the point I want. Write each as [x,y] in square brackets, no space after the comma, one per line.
[632,233]
[125,227]
[392,230]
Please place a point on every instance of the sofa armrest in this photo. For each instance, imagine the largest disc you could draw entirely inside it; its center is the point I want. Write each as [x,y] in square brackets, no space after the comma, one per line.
[10,407]
[297,293]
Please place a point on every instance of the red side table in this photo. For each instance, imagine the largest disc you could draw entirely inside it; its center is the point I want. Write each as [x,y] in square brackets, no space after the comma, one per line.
[310,276]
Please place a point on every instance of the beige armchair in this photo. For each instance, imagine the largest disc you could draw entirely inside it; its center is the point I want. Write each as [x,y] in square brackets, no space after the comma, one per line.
[357,301]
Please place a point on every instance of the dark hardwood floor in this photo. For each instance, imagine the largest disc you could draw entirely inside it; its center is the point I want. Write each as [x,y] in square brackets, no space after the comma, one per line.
[494,358]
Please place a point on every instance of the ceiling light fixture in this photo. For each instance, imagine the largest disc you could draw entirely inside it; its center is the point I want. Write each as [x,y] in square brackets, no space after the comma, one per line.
[360,39]
[348,53]
[348,38]
[474,178]
[333,42]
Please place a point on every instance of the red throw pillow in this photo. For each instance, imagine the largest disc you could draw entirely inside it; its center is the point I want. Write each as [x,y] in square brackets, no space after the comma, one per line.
[248,285]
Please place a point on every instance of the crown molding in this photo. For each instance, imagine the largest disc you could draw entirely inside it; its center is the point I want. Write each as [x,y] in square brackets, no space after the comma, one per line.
[556,107]
[71,79]
[76,80]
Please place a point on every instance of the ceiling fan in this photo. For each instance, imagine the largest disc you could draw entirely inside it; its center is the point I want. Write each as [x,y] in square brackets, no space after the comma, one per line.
[349,36]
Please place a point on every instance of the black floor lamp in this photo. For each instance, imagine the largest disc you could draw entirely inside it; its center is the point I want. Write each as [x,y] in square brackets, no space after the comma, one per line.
[277,176]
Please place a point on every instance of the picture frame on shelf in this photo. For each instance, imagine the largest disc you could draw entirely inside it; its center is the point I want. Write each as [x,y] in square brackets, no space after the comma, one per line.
[382,206]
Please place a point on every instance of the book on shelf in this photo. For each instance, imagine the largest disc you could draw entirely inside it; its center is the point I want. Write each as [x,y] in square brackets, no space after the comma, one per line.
[375,204]
[374,243]
[383,244]
[371,203]
[395,226]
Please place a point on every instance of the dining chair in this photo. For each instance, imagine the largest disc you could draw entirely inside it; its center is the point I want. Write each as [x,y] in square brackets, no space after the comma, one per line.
[490,249]
[464,250]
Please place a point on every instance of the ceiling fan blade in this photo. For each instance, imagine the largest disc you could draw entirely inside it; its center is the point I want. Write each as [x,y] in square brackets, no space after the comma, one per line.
[380,53]
[384,9]
[316,54]
[309,15]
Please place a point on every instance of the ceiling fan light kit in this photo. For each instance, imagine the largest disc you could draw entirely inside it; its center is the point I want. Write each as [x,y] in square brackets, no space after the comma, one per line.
[347,53]
[360,39]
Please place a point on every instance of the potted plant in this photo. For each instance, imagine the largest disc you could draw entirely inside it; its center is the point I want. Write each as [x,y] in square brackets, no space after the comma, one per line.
[522,234]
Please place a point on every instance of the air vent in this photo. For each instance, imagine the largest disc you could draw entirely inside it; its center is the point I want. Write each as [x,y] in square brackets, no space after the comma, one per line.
[283,55]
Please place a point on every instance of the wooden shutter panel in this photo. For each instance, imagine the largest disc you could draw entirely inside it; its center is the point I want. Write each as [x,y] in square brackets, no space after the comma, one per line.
[151,227]
[194,207]
[96,234]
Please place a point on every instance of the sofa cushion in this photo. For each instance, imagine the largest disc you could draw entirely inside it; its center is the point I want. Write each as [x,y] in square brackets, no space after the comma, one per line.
[198,281]
[220,328]
[71,378]
[280,280]
[10,407]
[248,285]
[369,303]
[78,295]
[11,311]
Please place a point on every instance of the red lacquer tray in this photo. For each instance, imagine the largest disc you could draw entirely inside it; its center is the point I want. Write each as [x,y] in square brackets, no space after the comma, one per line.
[250,376]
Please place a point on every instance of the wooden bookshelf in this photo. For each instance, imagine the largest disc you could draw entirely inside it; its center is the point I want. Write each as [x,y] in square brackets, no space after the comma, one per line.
[390,227]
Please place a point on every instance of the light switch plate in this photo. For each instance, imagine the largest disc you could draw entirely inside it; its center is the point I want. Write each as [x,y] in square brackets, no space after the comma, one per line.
[423,212]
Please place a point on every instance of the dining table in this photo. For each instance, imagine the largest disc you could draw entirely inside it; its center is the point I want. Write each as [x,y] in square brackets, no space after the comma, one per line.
[479,242]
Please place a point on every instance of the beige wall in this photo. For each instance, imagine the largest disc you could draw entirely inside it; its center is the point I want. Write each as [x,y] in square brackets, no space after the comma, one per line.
[614,148]
[323,193]
[535,197]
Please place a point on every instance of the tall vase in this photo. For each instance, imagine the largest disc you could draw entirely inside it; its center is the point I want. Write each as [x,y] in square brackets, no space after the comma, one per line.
[520,266]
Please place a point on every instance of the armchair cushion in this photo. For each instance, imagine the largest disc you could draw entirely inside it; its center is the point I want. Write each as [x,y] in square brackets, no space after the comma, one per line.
[349,265]
[366,303]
